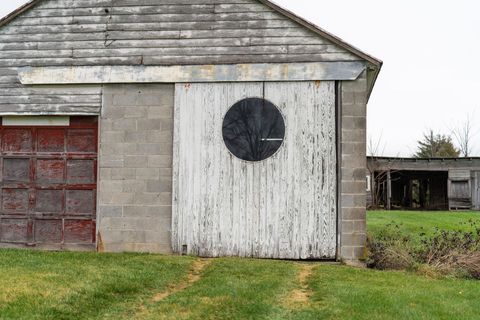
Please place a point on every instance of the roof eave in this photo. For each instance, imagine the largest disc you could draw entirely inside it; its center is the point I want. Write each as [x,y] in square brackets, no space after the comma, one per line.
[12,15]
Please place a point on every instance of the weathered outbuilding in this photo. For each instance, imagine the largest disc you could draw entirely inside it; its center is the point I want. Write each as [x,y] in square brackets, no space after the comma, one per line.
[207,127]
[426,184]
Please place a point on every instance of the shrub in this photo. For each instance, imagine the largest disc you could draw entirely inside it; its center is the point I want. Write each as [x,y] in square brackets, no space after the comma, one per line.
[444,252]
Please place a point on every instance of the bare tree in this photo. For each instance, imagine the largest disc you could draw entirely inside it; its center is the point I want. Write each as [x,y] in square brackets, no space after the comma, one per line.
[464,134]
[376,147]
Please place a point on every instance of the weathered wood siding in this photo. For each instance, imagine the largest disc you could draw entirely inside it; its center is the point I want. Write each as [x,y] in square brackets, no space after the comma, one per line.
[283,207]
[476,190]
[143,32]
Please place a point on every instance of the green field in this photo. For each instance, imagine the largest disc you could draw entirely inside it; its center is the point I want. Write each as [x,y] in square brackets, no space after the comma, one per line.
[61,285]
[417,222]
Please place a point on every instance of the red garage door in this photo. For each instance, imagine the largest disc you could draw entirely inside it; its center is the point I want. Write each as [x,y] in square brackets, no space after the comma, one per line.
[48,184]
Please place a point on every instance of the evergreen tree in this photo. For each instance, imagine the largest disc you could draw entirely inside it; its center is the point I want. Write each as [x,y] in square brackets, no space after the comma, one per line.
[436,146]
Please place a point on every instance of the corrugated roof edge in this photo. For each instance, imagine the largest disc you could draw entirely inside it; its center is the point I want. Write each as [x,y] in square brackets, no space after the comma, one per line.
[376,64]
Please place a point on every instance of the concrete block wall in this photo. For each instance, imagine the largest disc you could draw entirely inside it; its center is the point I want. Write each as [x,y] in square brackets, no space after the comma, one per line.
[135,168]
[352,213]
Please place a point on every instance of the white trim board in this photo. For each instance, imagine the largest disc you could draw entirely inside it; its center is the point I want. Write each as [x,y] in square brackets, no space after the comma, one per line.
[322,71]
[35,120]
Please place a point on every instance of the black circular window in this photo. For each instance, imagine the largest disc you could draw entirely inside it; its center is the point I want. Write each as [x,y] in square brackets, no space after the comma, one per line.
[253,129]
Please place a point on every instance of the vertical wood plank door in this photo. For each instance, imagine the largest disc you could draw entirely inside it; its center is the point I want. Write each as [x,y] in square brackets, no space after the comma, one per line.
[284,207]
[48,185]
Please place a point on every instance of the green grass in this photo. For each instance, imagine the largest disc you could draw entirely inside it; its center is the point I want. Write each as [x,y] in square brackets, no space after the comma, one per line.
[61,285]
[46,285]
[417,222]
[39,285]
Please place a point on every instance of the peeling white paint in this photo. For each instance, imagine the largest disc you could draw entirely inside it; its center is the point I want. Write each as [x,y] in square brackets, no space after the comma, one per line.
[192,73]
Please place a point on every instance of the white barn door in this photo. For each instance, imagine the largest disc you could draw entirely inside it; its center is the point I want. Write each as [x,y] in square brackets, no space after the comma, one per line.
[284,207]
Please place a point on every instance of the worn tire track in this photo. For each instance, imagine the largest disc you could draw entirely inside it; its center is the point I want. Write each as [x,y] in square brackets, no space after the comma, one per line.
[193,276]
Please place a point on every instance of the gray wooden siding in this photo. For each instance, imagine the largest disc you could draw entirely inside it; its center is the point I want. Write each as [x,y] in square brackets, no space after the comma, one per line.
[144,32]
[283,207]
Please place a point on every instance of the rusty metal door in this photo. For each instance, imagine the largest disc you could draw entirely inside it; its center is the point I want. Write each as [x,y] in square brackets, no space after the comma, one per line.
[48,185]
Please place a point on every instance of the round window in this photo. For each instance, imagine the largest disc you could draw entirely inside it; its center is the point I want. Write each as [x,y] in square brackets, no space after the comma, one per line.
[253,129]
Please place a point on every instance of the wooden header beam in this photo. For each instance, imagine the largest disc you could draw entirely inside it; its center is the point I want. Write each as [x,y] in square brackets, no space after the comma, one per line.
[327,71]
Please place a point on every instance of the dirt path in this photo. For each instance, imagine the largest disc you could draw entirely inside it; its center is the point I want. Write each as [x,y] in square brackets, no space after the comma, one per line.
[300,297]
[193,276]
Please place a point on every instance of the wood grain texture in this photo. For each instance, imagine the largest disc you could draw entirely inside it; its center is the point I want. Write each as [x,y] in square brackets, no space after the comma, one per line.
[283,207]
[145,32]
[192,73]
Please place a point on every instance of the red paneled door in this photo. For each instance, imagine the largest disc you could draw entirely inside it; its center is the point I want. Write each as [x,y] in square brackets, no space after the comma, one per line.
[48,185]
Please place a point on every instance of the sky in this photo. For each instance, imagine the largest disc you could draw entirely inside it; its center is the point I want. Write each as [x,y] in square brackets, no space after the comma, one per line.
[431,54]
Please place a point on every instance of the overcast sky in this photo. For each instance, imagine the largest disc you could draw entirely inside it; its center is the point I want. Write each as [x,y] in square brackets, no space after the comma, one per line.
[431,54]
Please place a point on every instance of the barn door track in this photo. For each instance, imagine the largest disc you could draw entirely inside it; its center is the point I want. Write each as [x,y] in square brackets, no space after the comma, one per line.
[193,276]
[300,296]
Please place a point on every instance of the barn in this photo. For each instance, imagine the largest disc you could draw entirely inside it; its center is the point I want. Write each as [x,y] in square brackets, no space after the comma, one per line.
[203,127]
[424,184]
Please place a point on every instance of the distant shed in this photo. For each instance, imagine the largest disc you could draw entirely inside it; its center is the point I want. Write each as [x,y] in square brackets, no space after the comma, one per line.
[430,184]
[224,128]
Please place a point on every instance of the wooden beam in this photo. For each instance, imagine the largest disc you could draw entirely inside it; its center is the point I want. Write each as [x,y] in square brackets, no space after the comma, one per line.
[326,71]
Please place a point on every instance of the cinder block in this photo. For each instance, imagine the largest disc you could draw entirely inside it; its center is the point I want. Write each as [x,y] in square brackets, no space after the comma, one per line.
[160,113]
[354,187]
[165,172]
[163,185]
[115,198]
[149,99]
[353,148]
[135,136]
[347,253]
[123,173]
[121,236]
[354,239]
[112,136]
[354,123]
[147,198]
[166,125]
[351,200]
[354,161]
[155,136]
[353,110]
[135,161]
[112,113]
[148,124]
[348,97]
[160,161]
[143,211]
[111,185]
[347,227]
[109,211]
[163,210]
[125,125]
[359,213]
[147,173]
[360,226]
[134,185]
[129,99]
[137,112]
[356,135]
[111,161]
[359,253]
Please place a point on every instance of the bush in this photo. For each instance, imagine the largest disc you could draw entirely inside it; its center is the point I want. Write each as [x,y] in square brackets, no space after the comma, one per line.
[444,252]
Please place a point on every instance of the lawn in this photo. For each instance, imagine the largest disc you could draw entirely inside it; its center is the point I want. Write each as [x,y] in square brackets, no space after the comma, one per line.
[417,222]
[63,285]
